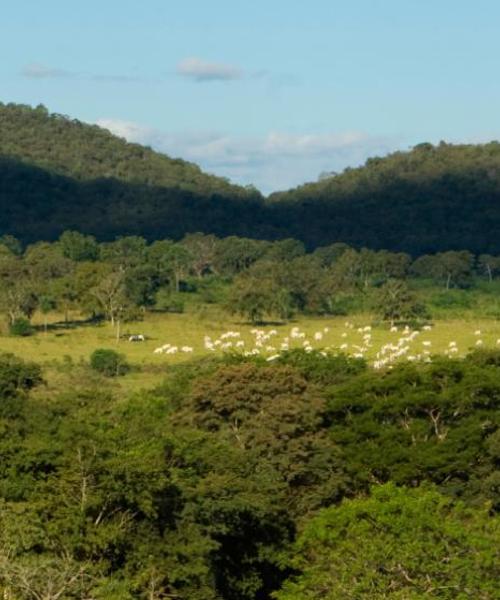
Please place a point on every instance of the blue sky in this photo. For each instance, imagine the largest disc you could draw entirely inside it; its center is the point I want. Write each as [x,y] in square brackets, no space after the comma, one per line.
[271,93]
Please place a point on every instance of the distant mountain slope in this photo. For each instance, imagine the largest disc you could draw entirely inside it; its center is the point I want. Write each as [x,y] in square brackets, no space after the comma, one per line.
[37,204]
[57,174]
[81,151]
[429,199]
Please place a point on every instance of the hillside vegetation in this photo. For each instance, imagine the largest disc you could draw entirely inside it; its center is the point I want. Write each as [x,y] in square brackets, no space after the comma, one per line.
[84,152]
[58,174]
[430,199]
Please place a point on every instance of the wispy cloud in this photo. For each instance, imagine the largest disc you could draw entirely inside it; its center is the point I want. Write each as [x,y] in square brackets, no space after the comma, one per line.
[202,71]
[40,71]
[115,78]
[272,161]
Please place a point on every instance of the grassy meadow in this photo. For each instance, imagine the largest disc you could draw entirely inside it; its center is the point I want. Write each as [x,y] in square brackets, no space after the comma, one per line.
[71,344]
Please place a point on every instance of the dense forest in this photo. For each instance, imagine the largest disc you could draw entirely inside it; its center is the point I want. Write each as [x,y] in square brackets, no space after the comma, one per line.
[430,199]
[57,174]
[312,477]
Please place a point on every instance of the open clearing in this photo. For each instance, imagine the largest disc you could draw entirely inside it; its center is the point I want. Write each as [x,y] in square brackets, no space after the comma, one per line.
[355,335]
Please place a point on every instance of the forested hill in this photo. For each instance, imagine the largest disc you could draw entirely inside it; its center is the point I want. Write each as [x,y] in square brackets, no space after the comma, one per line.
[58,174]
[84,152]
[429,199]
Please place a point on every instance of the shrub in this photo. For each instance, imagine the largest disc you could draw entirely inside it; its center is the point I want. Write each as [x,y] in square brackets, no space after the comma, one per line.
[21,327]
[109,362]
[16,375]
[452,299]
[339,306]
[167,301]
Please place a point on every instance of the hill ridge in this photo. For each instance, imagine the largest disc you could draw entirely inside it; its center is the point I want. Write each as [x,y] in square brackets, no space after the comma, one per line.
[57,173]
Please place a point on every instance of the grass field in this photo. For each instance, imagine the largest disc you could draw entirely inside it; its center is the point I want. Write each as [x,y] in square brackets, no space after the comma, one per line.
[73,344]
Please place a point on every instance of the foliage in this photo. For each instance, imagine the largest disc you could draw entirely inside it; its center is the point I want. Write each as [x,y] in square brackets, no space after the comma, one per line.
[394,302]
[257,298]
[426,423]
[168,301]
[61,174]
[320,369]
[430,199]
[196,490]
[398,543]
[108,362]
[17,376]
[20,327]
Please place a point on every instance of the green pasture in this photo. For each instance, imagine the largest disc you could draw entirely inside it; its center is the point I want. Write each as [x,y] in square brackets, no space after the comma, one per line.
[71,344]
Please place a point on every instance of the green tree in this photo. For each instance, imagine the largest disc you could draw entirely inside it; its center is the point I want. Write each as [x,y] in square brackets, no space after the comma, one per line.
[17,375]
[78,247]
[330,254]
[234,255]
[202,249]
[46,304]
[113,300]
[171,261]
[489,265]
[108,362]
[18,297]
[395,302]
[12,244]
[256,298]
[450,268]
[399,543]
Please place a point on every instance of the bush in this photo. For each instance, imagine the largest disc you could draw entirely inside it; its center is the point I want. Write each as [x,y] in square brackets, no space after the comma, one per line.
[452,299]
[342,305]
[212,290]
[16,375]
[167,301]
[21,327]
[109,362]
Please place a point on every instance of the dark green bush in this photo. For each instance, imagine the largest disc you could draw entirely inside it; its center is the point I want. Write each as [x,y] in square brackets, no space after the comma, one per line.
[16,375]
[167,301]
[21,327]
[344,304]
[109,362]
[452,299]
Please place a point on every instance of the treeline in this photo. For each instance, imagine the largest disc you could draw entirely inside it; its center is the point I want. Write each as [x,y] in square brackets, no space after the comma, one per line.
[58,174]
[257,279]
[312,477]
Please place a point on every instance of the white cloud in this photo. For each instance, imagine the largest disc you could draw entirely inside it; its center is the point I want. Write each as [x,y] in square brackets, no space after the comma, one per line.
[40,71]
[270,162]
[202,71]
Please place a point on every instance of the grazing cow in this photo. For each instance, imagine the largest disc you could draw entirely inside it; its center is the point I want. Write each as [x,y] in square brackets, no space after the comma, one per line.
[137,338]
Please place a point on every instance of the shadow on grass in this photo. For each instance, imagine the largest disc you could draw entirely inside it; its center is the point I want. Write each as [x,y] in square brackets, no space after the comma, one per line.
[61,326]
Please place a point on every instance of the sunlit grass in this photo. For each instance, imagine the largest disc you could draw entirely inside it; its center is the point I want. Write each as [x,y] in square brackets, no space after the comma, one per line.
[74,343]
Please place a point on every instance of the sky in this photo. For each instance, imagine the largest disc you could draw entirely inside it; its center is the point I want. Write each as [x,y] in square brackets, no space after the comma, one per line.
[270,93]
